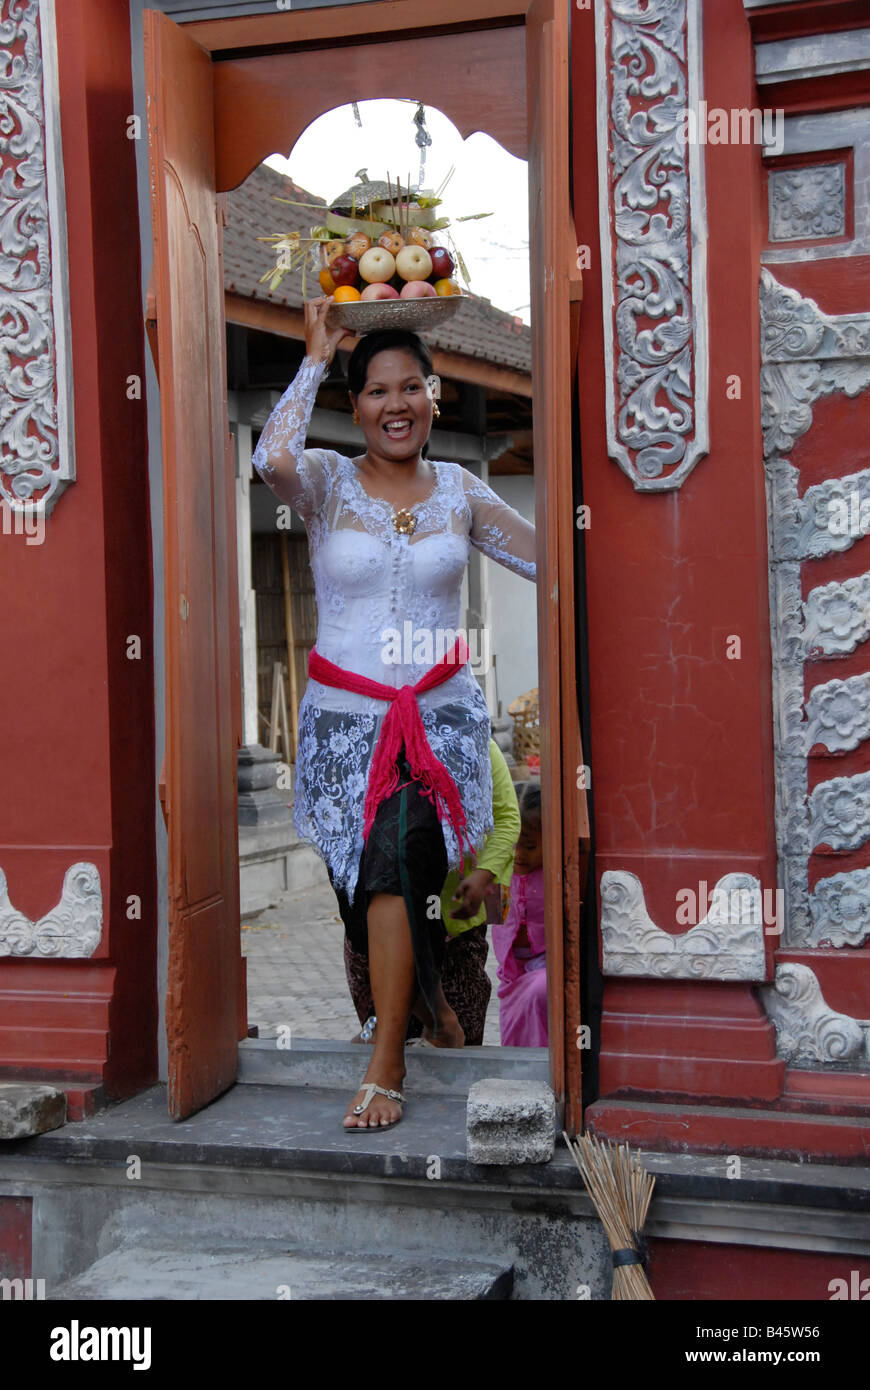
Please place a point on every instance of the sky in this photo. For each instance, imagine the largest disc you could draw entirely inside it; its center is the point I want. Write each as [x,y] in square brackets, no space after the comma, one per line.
[327,156]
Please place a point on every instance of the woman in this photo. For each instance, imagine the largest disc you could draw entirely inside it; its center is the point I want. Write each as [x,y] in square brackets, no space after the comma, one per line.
[391,783]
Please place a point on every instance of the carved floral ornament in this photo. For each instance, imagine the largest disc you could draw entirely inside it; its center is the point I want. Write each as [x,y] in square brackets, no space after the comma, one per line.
[652,220]
[36,440]
[807,203]
[807,354]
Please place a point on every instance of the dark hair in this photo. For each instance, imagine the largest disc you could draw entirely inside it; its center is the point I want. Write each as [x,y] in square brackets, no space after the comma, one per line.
[381,341]
[530,802]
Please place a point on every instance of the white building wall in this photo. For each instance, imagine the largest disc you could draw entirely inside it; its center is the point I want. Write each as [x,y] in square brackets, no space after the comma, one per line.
[514,605]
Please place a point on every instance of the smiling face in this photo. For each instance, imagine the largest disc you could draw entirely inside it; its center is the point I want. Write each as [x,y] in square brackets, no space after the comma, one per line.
[395,408]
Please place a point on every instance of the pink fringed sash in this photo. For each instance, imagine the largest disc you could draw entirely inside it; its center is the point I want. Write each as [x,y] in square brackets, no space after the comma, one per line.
[403,725]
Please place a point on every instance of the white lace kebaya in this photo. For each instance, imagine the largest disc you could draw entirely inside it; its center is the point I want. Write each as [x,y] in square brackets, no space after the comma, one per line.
[372,582]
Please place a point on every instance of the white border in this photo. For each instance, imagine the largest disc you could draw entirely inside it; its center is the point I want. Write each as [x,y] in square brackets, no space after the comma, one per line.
[55,184]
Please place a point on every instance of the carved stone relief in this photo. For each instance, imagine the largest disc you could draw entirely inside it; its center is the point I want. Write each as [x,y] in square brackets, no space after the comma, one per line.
[36,438]
[838,907]
[808,1032]
[727,944]
[807,354]
[653,224]
[838,713]
[807,203]
[837,616]
[72,928]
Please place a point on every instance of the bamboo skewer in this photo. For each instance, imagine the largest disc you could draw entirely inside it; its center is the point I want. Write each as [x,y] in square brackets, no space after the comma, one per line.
[621,1190]
[390,196]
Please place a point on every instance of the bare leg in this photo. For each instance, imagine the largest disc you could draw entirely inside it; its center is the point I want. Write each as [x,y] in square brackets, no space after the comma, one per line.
[450,1033]
[391,967]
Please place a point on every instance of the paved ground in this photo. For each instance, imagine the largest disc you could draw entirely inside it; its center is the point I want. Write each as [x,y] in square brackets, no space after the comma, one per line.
[296,969]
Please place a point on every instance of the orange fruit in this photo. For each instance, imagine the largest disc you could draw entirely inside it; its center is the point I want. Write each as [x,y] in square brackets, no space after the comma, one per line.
[327,284]
[444,287]
[346,294]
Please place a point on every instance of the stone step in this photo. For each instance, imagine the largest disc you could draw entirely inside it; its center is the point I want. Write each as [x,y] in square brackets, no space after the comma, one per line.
[340,1065]
[234,1273]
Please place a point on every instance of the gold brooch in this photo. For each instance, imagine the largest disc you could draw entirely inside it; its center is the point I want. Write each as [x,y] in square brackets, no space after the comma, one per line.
[404,522]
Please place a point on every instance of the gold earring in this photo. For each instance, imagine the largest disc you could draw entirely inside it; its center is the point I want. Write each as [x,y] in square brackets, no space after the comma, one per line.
[435,411]
[356,417]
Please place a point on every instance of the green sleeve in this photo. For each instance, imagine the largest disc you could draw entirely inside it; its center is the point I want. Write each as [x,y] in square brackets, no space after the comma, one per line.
[497,854]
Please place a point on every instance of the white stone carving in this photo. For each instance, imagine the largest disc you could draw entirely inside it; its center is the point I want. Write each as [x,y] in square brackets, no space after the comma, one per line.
[827,520]
[72,928]
[807,1030]
[806,355]
[808,202]
[837,616]
[36,434]
[652,212]
[807,134]
[838,713]
[840,812]
[840,909]
[727,944]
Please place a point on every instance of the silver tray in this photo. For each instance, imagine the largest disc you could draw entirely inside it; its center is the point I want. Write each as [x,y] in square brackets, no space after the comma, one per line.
[418,315]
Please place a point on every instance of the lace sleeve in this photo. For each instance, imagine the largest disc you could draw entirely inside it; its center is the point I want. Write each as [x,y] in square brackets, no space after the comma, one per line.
[498,530]
[294,474]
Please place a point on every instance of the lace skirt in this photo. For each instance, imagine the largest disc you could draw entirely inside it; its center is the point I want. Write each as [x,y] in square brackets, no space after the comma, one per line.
[332,767]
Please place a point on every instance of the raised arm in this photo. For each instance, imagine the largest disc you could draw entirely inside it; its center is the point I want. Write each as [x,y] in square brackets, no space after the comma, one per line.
[280,459]
[294,474]
[498,530]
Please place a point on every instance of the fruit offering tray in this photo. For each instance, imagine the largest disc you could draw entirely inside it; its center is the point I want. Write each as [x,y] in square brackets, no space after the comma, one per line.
[366,316]
[378,255]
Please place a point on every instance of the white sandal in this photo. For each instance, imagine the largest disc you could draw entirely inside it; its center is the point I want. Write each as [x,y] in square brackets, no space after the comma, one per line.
[370,1090]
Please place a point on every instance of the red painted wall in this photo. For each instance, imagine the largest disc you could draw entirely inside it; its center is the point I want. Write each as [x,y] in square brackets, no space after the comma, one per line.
[680,743]
[79,761]
[16,1239]
[687,1270]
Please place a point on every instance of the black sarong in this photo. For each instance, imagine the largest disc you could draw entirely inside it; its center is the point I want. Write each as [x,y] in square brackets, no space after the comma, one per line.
[404,855]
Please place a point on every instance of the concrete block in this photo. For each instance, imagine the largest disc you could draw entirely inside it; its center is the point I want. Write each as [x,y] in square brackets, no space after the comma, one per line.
[28,1108]
[510,1121]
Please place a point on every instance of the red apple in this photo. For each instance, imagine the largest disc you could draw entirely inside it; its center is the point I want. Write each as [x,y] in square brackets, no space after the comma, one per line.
[418,289]
[378,290]
[442,262]
[344,270]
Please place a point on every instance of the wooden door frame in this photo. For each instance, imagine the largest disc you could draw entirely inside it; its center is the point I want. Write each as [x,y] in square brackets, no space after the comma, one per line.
[566,828]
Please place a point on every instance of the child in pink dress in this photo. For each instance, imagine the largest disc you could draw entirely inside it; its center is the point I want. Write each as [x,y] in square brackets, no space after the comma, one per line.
[519,942]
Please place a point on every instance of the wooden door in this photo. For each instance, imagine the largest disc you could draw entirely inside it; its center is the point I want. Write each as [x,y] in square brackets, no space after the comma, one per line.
[203,712]
[555,299]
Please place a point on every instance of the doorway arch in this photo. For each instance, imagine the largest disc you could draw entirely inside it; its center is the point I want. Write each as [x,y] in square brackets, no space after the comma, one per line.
[199,148]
